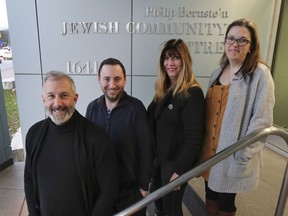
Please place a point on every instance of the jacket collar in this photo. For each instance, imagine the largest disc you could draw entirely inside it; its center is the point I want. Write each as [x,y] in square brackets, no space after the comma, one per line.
[122,100]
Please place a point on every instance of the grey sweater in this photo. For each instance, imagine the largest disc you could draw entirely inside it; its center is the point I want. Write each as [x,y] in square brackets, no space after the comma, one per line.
[249,107]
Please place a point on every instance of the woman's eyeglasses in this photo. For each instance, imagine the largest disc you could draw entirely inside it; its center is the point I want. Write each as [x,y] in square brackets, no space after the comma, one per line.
[240,41]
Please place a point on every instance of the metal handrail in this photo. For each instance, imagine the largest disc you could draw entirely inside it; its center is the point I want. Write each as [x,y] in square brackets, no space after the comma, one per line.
[195,172]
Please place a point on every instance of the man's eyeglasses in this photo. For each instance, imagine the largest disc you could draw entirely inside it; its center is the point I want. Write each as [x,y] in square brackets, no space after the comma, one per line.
[240,41]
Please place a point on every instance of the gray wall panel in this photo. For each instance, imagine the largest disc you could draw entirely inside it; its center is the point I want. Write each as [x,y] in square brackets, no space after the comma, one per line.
[23,32]
[38,45]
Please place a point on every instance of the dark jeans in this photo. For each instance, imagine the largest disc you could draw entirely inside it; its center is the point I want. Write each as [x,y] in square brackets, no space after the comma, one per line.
[128,197]
[226,200]
[170,204]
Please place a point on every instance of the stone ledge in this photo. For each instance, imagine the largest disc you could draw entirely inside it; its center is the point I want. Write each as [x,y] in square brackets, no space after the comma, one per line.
[8,84]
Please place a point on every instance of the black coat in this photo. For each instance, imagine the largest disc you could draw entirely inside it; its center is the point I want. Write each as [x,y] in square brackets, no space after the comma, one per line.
[95,161]
[129,130]
[178,127]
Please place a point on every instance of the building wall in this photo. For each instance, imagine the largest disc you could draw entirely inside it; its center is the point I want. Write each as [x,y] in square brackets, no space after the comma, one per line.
[75,36]
[280,72]
[5,142]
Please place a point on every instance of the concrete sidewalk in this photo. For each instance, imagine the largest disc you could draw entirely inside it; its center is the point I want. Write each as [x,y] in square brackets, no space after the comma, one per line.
[12,197]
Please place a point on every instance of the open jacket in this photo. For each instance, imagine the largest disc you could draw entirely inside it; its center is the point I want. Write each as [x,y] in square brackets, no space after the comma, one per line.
[249,107]
[95,160]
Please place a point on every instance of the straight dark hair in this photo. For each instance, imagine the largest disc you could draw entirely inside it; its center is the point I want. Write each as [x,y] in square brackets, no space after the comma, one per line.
[111,61]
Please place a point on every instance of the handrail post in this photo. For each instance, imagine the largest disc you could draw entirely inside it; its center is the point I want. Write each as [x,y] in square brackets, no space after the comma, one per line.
[283,195]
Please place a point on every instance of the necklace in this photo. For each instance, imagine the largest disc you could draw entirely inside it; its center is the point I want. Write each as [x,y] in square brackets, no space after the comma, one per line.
[229,81]
[231,71]
[227,76]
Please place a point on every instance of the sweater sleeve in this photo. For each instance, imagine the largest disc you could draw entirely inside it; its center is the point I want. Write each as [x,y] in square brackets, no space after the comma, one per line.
[28,180]
[193,121]
[261,112]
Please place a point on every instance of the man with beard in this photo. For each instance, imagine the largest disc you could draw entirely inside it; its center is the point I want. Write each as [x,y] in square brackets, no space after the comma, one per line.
[125,120]
[70,164]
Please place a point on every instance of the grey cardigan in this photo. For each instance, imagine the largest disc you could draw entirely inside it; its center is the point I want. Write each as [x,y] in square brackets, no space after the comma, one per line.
[249,107]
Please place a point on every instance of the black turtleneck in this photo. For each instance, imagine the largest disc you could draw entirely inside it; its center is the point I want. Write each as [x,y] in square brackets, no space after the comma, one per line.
[60,193]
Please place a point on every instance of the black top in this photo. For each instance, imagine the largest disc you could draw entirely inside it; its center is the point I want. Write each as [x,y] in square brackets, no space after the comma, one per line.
[128,128]
[57,173]
[70,169]
[178,126]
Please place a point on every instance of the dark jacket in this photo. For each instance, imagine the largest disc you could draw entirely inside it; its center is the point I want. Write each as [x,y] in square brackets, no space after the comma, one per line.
[129,131]
[95,161]
[178,126]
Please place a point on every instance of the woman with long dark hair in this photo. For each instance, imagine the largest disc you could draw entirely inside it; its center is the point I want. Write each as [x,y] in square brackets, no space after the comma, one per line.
[239,100]
[177,118]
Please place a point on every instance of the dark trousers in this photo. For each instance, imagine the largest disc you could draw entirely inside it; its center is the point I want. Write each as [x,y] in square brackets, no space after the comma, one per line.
[170,204]
[128,197]
[226,200]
